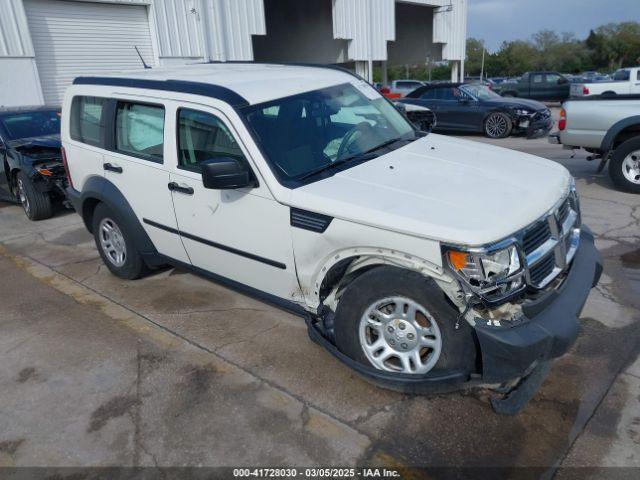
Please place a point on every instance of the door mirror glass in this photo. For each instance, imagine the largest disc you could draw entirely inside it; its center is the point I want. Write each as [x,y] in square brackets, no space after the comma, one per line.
[225,173]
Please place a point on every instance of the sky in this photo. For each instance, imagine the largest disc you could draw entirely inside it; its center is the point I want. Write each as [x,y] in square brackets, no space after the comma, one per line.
[499,20]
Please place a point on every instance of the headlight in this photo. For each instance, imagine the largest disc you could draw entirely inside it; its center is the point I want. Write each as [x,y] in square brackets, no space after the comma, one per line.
[491,274]
[523,112]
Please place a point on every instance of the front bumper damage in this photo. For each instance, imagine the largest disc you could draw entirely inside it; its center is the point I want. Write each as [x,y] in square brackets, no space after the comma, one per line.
[515,358]
[535,127]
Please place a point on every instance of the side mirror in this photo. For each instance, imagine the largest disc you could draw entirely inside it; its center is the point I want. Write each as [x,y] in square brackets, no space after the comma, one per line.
[464,100]
[225,173]
[563,81]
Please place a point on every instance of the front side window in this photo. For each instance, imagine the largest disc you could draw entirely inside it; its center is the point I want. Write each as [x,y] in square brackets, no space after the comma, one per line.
[553,78]
[140,130]
[314,130]
[31,124]
[537,78]
[201,137]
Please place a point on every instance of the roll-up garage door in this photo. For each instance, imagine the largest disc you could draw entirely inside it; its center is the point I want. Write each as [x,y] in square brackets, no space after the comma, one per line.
[73,38]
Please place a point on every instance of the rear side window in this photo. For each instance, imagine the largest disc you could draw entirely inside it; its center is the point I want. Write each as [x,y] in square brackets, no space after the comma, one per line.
[202,136]
[140,130]
[87,120]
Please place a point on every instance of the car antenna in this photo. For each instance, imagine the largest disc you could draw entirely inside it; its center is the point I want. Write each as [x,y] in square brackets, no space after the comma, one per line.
[141,59]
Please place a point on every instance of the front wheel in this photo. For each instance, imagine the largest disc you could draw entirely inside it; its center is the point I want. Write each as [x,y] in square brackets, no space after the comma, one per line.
[624,166]
[399,321]
[498,125]
[36,205]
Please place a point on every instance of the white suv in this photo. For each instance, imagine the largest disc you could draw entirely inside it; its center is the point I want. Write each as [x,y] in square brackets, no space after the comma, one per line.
[422,261]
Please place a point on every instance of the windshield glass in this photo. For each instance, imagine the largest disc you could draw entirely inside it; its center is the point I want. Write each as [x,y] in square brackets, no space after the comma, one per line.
[31,124]
[309,132]
[480,92]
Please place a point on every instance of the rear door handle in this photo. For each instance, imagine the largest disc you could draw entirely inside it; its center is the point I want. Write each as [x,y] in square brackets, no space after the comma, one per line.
[112,168]
[176,187]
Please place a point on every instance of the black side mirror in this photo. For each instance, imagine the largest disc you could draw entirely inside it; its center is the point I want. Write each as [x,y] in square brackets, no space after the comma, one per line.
[225,173]
[563,81]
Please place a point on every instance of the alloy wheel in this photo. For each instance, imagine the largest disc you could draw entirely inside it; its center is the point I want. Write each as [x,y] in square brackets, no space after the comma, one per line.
[496,126]
[631,167]
[112,242]
[399,335]
[24,200]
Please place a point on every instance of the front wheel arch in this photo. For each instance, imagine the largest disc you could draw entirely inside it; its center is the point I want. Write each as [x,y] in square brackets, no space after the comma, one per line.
[458,351]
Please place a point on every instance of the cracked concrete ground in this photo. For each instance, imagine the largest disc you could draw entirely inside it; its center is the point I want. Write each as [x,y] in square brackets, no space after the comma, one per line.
[176,370]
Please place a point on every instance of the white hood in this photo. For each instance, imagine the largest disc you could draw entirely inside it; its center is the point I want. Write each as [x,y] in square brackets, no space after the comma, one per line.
[442,188]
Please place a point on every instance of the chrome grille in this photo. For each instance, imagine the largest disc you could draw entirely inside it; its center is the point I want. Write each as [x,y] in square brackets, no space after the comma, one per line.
[550,244]
[542,269]
[536,236]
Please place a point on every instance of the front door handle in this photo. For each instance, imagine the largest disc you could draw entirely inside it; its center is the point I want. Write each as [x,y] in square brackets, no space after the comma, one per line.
[112,168]
[175,187]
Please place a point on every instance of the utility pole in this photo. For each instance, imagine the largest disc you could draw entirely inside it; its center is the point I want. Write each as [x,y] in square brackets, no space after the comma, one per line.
[482,68]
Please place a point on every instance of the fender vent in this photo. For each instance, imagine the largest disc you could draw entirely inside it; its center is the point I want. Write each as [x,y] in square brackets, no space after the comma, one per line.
[315,222]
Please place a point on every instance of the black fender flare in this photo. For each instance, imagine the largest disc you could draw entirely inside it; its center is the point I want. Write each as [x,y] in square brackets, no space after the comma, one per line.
[99,189]
[609,138]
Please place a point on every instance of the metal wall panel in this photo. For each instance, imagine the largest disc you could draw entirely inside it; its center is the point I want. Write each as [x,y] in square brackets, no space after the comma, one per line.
[370,24]
[178,29]
[229,25]
[450,29]
[14,33]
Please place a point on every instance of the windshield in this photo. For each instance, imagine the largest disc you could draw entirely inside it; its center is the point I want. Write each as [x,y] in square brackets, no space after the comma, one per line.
[31,124]
[480,92]
[309,132]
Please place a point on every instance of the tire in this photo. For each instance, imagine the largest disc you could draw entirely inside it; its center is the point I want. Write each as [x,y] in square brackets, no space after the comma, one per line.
[116,245]
[498,125]
[456,349]
[36,205]
[624,166]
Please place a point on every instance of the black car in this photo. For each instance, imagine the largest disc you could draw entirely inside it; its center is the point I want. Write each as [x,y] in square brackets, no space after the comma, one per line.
[31,168]
[475,108]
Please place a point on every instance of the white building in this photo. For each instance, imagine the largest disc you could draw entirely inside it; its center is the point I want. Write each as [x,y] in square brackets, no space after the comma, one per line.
[44,44]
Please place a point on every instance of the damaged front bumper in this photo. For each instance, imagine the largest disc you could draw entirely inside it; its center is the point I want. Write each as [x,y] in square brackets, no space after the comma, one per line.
[513,354]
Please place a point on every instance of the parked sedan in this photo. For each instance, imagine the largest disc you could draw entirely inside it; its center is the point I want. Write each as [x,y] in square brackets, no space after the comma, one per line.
[475,108]
[31,169]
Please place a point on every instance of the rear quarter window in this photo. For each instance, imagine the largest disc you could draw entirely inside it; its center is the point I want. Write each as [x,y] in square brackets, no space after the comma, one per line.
[87,120]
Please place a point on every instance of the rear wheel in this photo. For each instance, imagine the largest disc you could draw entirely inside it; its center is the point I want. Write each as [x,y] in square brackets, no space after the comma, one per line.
[37,205]
[624,166]
[498,125]
[399,321]
[115,244]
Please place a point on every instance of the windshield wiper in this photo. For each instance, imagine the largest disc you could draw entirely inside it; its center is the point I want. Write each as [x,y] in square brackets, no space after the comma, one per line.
[366,155]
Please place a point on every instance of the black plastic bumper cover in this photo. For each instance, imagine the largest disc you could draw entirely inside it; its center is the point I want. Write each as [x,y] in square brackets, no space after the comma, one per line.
[552,325]
[507,353]
[74,198]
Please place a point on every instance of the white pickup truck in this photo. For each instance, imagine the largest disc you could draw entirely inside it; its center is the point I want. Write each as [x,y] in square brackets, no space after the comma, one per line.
[625,81]
[609,128]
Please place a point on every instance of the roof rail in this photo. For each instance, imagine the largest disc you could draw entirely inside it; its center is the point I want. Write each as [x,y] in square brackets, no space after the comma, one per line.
[181,86]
